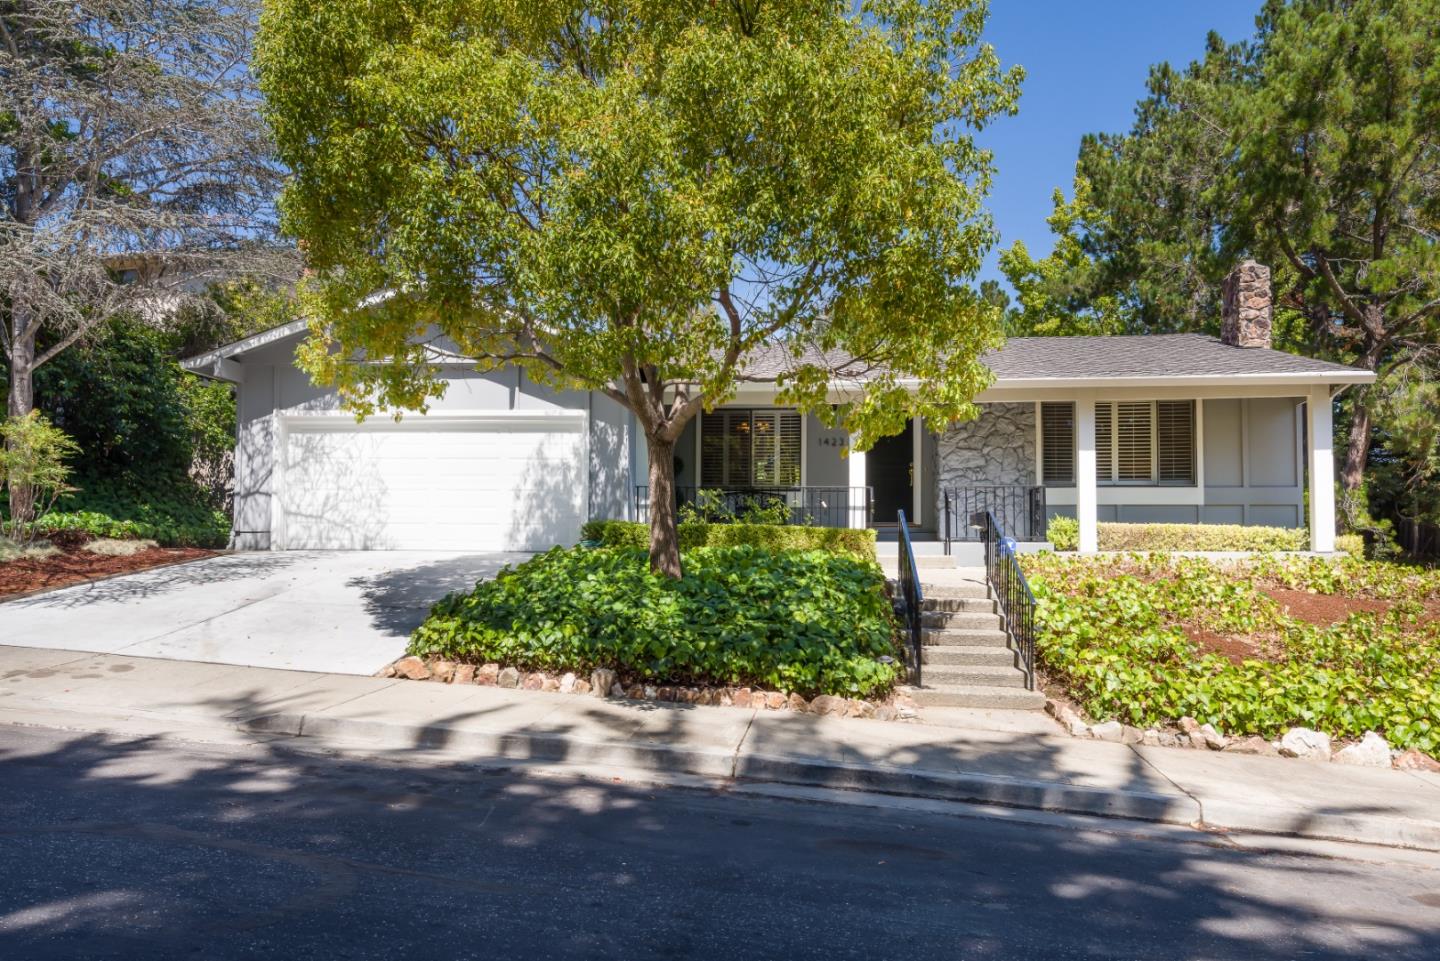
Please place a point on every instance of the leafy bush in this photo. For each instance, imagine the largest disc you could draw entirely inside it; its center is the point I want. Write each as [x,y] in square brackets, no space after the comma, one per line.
[806,621]
[859,544]
[33,471]
[1113,630]
[1063,533]
[172,511]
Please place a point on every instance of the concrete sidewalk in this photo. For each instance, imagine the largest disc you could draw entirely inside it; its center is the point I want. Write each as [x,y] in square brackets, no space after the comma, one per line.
[484,725]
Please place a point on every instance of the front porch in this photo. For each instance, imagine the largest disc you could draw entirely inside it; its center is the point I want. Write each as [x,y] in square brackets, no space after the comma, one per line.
[1243,454]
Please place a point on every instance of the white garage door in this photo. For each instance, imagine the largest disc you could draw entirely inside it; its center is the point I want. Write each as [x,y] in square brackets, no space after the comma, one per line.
[506,482]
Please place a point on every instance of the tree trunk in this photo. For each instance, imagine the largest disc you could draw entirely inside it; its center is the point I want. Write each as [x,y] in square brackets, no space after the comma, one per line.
[664,538]
[20,402]
[1357,450]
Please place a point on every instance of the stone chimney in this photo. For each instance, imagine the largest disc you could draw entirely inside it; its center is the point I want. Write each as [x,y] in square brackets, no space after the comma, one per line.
[1245,318]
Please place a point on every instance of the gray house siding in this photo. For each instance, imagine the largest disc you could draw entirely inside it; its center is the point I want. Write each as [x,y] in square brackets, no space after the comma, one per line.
[273,387]
[1253,456]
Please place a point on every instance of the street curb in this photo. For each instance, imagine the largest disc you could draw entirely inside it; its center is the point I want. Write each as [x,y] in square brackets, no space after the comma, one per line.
[666,759]
[495,749]
[958,786]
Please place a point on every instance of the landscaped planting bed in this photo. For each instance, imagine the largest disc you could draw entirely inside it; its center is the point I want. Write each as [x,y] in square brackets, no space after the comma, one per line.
[1253,648]
[68,557]
[808,622]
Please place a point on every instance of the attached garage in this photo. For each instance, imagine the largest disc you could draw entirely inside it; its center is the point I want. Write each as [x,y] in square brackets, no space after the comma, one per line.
[488,481]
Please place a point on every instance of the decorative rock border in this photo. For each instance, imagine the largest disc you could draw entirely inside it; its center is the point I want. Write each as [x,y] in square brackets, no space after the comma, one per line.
[1299,742]
[606,683]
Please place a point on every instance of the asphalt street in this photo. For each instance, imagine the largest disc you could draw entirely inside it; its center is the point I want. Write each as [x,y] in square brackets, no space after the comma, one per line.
[151,849]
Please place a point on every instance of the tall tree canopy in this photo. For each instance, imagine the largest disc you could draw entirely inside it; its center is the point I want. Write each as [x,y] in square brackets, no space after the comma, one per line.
[127,127]
[637,196]
[1313,146]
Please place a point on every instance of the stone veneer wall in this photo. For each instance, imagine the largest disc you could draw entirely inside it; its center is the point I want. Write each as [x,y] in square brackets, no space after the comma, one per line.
[996,448]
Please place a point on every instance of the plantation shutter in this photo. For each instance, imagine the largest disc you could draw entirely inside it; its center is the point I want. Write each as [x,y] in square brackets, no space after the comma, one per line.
[712,449]
[1104,442]
[1135,440]
[1057,443]
[765,447]
[1175,440]
[745,448]
[788,450]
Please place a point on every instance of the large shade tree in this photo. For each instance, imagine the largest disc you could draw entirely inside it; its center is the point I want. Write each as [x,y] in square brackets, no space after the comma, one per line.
[133,164]
[1313,146]
[640,196]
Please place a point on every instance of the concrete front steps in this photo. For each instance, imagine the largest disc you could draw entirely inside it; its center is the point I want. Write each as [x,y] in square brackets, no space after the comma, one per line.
[966,657]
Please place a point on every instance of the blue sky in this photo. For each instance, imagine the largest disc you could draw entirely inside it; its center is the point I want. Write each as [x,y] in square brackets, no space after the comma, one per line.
[1086,63]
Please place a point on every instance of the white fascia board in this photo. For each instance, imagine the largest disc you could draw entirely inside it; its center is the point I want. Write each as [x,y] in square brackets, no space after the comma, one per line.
[1299,379]
[203,362]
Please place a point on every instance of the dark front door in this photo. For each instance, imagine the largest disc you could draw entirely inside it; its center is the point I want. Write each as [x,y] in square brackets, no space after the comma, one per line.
[890,471]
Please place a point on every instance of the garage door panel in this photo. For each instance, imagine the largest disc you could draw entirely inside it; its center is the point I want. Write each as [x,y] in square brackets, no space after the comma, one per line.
[490,487]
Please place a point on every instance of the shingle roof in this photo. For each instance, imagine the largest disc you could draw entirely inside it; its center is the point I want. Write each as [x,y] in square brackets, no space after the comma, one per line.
[1146,355]
[1119,357]
[1025,360]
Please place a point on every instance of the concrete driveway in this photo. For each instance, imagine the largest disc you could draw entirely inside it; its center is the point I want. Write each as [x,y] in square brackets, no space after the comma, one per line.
[347,612]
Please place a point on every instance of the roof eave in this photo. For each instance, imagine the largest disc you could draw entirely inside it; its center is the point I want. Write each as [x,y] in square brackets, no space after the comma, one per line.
[1319,377]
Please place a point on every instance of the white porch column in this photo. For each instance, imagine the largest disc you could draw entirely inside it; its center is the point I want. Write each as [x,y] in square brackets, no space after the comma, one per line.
[1085,475]
[1319,434]
[917,471]
[856,460]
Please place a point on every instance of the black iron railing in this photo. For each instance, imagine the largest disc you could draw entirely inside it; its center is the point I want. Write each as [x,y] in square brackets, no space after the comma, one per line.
[814,506]
[1012,592]
[1021,511]
[912,601]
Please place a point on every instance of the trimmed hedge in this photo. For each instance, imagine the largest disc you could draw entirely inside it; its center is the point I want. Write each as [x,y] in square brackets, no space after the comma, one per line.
[811,622]
[1064,533]
[859,544]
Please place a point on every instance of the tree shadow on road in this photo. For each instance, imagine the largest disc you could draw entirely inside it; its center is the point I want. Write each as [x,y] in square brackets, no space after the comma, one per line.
[143,848]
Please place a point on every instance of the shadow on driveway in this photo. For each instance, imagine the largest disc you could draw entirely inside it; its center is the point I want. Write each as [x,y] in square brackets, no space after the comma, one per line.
[397,600]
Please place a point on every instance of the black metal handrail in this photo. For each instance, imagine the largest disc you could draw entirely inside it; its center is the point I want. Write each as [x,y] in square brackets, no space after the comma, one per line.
[912,599]
[1020,509]
[813,506]
[1012,593]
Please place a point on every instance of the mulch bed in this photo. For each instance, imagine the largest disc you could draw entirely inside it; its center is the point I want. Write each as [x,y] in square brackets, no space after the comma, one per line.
[1323,609]
[75,566]
[1236,649]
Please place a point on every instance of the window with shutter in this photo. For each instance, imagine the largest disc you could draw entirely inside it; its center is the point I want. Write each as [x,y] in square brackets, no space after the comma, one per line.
[750,448]
[1134,441]
[1057,443]
[1175,441]
[1104,442]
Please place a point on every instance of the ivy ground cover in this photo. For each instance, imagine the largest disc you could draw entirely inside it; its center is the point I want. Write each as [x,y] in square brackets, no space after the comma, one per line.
[810,622]
[1343,646]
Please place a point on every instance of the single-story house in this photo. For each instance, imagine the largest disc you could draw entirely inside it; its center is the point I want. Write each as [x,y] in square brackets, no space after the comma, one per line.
[1178,428]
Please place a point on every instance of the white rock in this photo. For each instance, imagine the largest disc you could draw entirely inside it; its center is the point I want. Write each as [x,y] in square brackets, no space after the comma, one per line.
[567,683]
[1108,731]
[601,680]
[1304,743]
[1211,738]
[1371,751]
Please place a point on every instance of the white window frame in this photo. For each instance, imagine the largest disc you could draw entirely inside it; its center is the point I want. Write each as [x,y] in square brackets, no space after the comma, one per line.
[1129,493]
[751,409]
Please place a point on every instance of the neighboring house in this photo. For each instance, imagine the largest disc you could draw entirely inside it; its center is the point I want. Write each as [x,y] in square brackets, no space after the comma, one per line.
[1182,428]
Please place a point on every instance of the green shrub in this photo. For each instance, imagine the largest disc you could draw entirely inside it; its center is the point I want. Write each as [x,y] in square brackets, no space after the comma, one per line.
[859,544]
[1201,537]
[1112,630]
[1352,544]
[173,512]
[806,621]
[34,472]
[1063,533]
